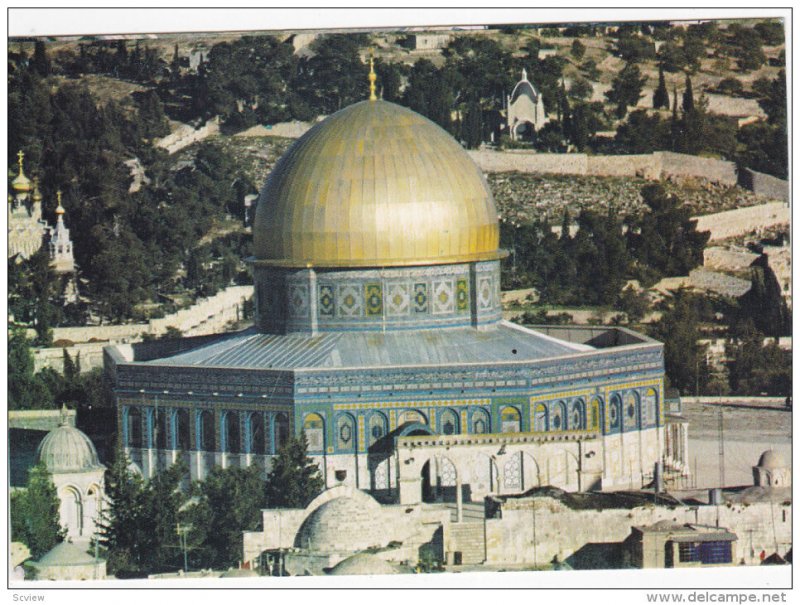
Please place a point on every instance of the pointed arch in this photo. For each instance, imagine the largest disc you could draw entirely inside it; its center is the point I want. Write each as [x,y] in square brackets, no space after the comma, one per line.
[314,428]
[345,433]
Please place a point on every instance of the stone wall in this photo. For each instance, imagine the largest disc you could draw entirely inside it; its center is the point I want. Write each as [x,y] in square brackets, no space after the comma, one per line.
[679,165]
[646,166]
[208,316]
[764,184]
[38,420]
[657,165]
[186,134]
[557,530]
[523,161]
[741,221]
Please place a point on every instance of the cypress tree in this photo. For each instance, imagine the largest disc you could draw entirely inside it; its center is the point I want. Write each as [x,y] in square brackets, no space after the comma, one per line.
[294,479]
[661,95]
[34,513]
[688,96]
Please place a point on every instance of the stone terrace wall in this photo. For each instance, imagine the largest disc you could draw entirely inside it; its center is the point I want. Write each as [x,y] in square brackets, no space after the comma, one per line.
[647,166]
[208,316]
[681,165]
[516,161]
[764,184]
[744,220]
[657,165]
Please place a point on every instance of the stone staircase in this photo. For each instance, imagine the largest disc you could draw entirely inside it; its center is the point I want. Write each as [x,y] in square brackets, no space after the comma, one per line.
[468,539]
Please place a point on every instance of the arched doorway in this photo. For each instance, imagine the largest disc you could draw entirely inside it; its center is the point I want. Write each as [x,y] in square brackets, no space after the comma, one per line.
[428,490]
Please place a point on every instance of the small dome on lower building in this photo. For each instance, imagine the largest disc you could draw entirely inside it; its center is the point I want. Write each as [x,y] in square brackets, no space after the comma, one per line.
[363,564]
[67,449]
[771,460]
[344,524]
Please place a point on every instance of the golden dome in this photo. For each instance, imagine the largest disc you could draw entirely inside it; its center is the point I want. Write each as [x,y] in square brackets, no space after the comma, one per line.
[21,184]
[37,195]
[375,184]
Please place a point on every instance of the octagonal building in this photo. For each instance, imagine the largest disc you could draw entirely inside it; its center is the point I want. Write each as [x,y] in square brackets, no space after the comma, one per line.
[379,334]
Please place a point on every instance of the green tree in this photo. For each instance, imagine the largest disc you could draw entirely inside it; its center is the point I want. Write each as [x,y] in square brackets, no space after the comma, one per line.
[472,127]
[688,96]
[756,367]
[661,95]
[684,358]
[578,49]
[123,530]
[626,89]
[228,502]
[35,513]
[770,32]
[764,303]
[294,479]
[26,390]
[748,51]
[40,63]
[665,239]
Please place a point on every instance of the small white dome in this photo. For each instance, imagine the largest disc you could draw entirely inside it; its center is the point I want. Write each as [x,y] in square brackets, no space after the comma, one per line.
[67,450]
[771,460]
[363,564]
[343,524]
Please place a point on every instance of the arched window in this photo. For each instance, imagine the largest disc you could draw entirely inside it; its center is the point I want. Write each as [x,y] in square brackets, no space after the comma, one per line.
[559,421]
[71,511]
[377,427]
[411,416]
[345,433]
[314,428]
[577,418]
[540,424]
[206,432]
[134,427]
[161,429]
[631,410]
[255,432]
[595,413]
[180,424]
[281,430]
[231,434]
[615,413]
[448,422]
[649,407]
[509,420]
[480,422]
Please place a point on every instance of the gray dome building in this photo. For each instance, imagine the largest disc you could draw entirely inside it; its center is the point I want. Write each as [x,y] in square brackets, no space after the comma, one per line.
[342,525]
[67,450]
[772,471]
[71,459]
[363,564]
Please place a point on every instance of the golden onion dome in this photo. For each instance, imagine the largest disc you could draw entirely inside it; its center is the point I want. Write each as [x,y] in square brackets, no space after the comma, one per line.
[37,195]
[21,184]
[375,184]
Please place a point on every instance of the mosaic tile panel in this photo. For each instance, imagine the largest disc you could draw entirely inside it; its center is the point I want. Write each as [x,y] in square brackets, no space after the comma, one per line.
[349,302]
[462,295]
[443,297]
[373,300]
[298,300]
[420,298]
[398,300]
[326,301]
[484,293]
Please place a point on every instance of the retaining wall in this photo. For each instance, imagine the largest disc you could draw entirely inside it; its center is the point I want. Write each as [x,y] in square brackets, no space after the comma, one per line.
[731,223]
[208,316]
[654,166]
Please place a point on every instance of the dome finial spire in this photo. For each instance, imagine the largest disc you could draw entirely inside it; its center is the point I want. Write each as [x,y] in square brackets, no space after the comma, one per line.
[372,77]
[60,209]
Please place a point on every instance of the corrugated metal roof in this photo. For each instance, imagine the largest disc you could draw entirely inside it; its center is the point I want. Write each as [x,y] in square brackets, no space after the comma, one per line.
[454,346]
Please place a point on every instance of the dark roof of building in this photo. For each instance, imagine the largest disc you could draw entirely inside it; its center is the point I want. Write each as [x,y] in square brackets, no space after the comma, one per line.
[451,346]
